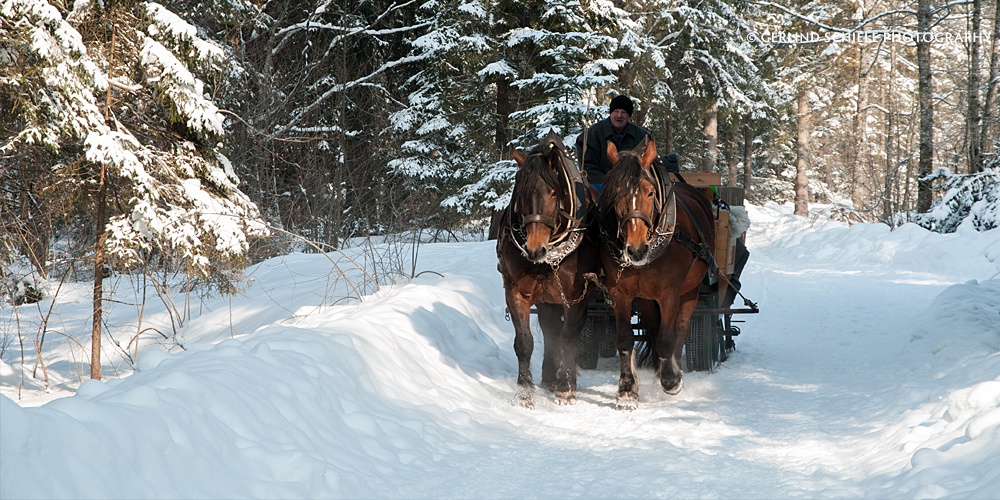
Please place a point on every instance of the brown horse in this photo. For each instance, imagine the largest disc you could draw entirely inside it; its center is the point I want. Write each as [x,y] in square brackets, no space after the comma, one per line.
[654,253]
[548,256]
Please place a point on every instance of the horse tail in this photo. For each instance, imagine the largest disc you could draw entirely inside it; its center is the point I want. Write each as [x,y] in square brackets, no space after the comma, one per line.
[647,351]
[632,365]
[649,325]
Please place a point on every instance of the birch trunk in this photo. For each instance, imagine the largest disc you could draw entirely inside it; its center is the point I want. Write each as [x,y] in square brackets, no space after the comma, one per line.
[711,138]
[973,119]
[925,98]
[801,156]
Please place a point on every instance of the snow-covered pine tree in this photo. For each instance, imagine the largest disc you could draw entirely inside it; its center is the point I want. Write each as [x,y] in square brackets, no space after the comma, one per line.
[445,123]
[969,200]
[137,109]
[686,57]
[109,92]
[501,74]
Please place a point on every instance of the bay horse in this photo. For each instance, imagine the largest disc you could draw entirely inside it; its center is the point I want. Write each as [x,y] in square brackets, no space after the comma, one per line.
[654,254]
[548,257]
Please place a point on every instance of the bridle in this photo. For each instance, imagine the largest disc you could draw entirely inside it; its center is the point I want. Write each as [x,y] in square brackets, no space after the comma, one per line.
[647,219]
[567,224]
[660,223]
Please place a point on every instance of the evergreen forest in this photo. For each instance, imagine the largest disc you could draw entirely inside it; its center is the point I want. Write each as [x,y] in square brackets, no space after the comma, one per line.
[193,137]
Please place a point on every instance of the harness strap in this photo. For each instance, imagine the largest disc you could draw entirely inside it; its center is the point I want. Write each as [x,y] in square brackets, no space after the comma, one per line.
[544,219]
[635,214]
[700,250]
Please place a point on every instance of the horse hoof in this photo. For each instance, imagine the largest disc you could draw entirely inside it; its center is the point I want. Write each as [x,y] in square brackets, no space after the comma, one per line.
[672,387]
[565,399]
[523,397]
[627,402]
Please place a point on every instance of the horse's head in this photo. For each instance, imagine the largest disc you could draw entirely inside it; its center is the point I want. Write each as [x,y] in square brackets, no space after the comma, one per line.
[632,195]
[537,200]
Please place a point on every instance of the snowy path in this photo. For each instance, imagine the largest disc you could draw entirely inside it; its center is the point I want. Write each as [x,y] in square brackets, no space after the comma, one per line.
[815,403]
[796,411]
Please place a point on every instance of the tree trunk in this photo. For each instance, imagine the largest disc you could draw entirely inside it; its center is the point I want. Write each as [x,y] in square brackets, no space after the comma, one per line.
[973,120]
[711,138]
[669,133]
[889,177]
[102,202]
[858,126]
[504,109]
[733,145]
[747,159]
[989,104]
[801,156]
[339,175]
[95,332]
[732,169]
[925,98]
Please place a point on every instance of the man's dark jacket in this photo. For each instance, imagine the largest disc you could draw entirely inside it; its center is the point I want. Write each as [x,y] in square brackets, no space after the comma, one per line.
[595,160]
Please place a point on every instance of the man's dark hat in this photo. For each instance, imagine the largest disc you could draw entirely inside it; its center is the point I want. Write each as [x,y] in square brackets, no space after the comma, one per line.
[622,102]
[672,162]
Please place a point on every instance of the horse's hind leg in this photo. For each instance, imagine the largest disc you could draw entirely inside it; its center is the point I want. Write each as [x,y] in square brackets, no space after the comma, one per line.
[628,382]
[549,319]
[569,346]
[673,335]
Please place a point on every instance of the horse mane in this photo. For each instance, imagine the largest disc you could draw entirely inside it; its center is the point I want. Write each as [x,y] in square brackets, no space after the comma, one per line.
[623,179]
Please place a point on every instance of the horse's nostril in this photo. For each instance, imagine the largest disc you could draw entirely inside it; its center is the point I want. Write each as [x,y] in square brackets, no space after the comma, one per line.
[537,254]
[637,252]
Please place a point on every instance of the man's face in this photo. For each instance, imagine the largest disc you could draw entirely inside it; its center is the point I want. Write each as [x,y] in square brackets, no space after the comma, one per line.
[619,118]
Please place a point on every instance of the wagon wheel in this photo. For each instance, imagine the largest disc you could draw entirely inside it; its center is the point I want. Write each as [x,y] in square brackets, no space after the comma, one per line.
[702,348]
[587,355]
[597,340]
[608,342]
[696,356]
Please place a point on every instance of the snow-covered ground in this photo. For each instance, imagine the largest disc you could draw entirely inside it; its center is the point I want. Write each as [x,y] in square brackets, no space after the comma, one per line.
[873,370]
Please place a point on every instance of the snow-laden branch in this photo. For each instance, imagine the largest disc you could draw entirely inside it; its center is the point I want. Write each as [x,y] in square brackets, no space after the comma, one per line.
[57,96]
[308,25]
[182,91]
[165,22]
[341,87]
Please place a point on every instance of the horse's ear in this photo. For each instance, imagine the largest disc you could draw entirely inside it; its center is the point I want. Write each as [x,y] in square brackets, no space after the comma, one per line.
[552,138]
[518,157]
[641,147]
[612,153]
[649,155]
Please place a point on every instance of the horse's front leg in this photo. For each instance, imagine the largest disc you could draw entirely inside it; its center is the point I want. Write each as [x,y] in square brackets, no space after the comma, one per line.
[673,334]
[628,381]
[520,316]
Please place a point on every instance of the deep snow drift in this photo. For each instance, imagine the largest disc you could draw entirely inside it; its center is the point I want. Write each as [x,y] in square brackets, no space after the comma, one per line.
[873,370]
